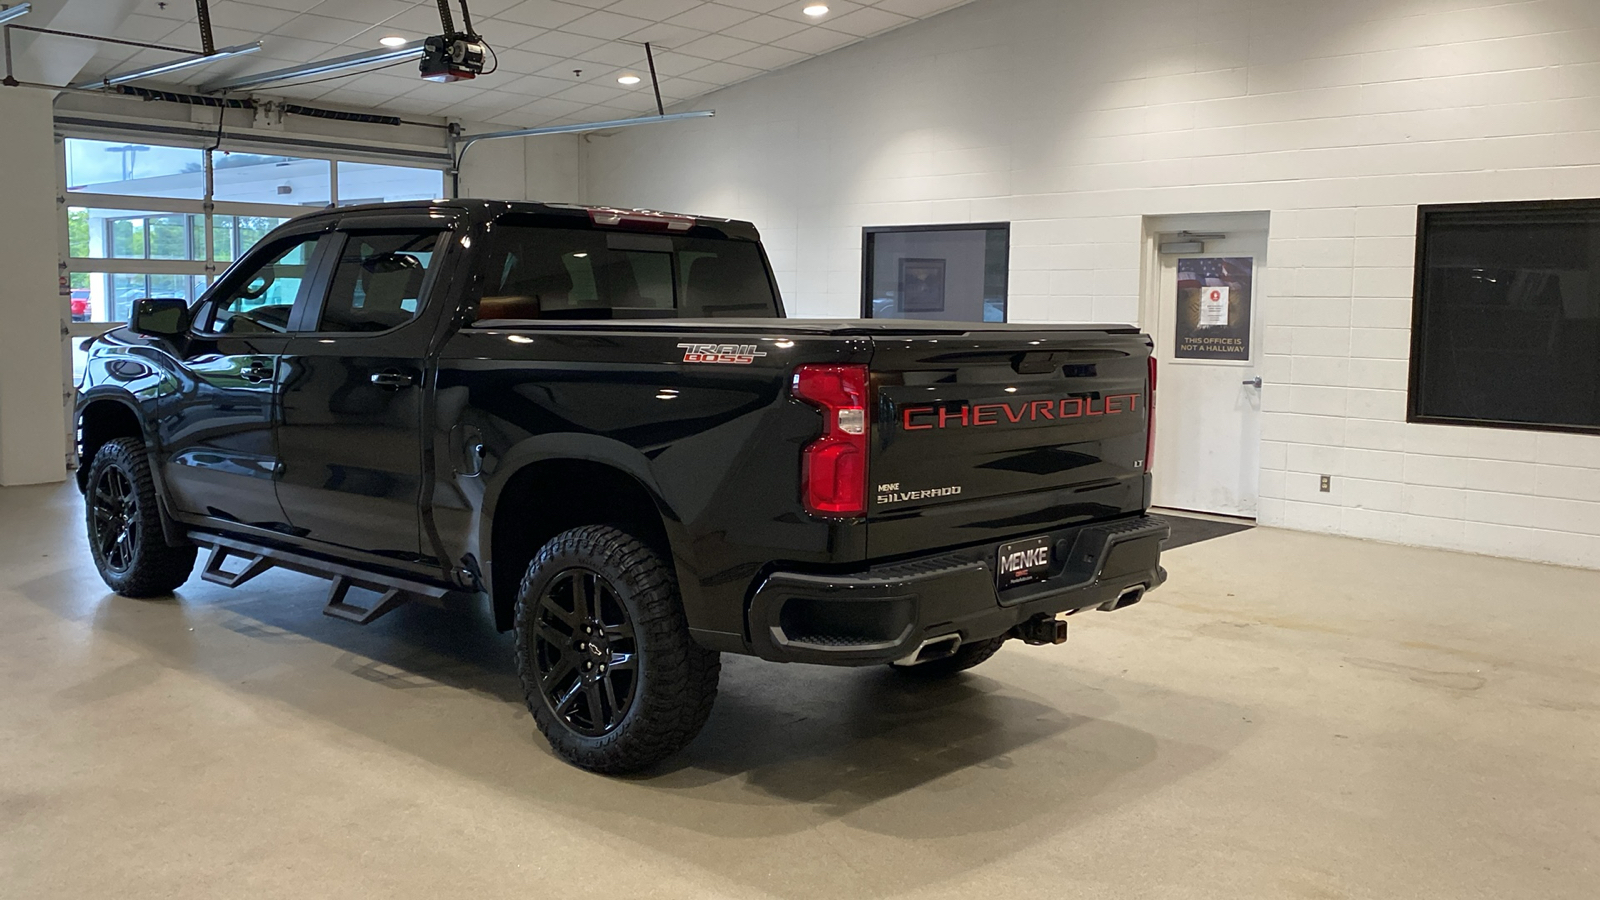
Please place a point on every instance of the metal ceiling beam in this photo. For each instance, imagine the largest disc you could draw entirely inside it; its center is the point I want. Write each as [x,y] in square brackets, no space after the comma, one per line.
[176,65]
[412,50]
[468,140]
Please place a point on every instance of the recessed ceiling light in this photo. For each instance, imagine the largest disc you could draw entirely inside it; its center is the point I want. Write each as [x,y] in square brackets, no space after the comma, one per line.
[815,10]
[628,79]
[393,40]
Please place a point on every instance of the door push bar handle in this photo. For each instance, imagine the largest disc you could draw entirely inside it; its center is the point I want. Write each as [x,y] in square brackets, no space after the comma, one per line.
[1254,382]
[391,379]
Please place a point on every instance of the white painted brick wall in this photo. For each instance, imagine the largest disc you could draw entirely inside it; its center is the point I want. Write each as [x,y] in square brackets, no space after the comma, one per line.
[1073,120]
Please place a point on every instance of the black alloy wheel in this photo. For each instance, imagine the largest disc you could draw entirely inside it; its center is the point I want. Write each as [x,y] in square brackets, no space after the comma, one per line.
[614,679]
[123,513]
[586,652]
[115,520]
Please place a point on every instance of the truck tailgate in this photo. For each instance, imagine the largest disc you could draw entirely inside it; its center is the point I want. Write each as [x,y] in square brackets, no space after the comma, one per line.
[987,434]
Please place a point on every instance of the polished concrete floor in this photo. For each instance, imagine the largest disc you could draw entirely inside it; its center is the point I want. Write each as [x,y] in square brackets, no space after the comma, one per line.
[1293,716]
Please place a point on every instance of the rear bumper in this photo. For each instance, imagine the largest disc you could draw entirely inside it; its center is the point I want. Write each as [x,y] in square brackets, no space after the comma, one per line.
[885,613]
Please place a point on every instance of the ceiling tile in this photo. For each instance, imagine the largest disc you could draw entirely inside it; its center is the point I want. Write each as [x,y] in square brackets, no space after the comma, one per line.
[294,48]
[768,58]
[711,17]
[501,34]
[549,107]
[562,44]
[920,9]
[535,86]
[760,6]
[682,88]
[796,12]
[320,28]
[763,29]
[616,53]
[544,13]
[298,6]
[867,22]
[815,41]
[137,27]
[717,47]
[605,24]
[523,62]
[372,12]
[654,10]
[725,73]
[590,93]
[420,20]
[664,36]
[672,63]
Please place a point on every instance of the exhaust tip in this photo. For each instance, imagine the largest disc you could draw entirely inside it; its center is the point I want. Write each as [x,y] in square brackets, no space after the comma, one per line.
[932,649]
[1129,597]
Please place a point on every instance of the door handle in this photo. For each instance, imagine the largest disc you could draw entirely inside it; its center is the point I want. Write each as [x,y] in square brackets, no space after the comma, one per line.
[1254,382]
[391,379]
[256,372]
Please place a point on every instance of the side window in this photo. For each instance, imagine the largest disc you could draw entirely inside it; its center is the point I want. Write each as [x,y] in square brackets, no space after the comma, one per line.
[538,272]
[259,300]
[378,283]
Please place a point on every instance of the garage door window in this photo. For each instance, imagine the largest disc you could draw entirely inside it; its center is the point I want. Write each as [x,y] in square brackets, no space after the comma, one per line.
[1506,328]
[140,221]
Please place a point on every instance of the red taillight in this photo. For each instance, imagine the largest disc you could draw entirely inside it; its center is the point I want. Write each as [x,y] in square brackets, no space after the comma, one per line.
[1150,417]
[833,472]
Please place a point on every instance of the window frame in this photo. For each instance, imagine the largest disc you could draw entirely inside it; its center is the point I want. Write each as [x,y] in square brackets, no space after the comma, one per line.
[869,236]
[305,322]
[1425,213]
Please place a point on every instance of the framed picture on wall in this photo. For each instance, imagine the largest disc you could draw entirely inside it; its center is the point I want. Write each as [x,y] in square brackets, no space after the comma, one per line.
[922,285]
[944,273]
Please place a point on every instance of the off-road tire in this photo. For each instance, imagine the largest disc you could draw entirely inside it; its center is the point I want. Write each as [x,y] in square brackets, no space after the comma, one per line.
[141,563]
[675,681]
[965,657]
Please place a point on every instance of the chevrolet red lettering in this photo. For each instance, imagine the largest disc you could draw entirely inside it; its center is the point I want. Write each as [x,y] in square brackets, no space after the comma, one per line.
[723,354]
[977,415]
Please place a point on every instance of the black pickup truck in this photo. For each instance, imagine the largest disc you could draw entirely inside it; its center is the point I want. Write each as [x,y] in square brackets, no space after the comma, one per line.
[600,423]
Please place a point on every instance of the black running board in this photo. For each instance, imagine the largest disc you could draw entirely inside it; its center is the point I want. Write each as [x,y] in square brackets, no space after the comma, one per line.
[393,591]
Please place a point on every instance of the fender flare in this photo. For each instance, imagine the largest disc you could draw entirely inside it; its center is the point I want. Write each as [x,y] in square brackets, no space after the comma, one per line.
[571,446]
[174,533]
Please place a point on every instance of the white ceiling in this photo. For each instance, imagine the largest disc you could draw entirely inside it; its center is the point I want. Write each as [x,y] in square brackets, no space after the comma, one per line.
[699,46]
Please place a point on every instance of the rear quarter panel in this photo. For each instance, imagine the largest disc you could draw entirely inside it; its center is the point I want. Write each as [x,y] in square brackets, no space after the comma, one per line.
[717,444]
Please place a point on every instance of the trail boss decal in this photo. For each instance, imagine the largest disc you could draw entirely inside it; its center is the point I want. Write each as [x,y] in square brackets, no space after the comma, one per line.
[977,415]
[1022,562]
[891,493]
[723,354]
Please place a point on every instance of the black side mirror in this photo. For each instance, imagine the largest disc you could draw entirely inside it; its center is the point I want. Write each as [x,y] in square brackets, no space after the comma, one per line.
[160,317]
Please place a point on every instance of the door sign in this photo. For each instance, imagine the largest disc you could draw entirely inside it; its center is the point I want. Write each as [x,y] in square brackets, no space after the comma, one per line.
[1213,306]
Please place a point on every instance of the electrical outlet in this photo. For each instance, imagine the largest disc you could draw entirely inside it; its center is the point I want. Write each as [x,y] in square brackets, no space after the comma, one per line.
[1327,484]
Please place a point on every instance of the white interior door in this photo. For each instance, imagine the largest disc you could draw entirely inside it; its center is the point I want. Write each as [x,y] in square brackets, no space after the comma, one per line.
[1207,314]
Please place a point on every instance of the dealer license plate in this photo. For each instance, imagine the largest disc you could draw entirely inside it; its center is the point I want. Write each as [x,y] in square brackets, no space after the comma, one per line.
[1023,562]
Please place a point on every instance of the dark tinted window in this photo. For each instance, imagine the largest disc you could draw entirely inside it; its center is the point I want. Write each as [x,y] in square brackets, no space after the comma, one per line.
[1507,326]
[378,284]
[559,273]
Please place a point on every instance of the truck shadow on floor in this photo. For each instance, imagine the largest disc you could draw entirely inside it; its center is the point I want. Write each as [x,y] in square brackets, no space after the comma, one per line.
[929,780]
